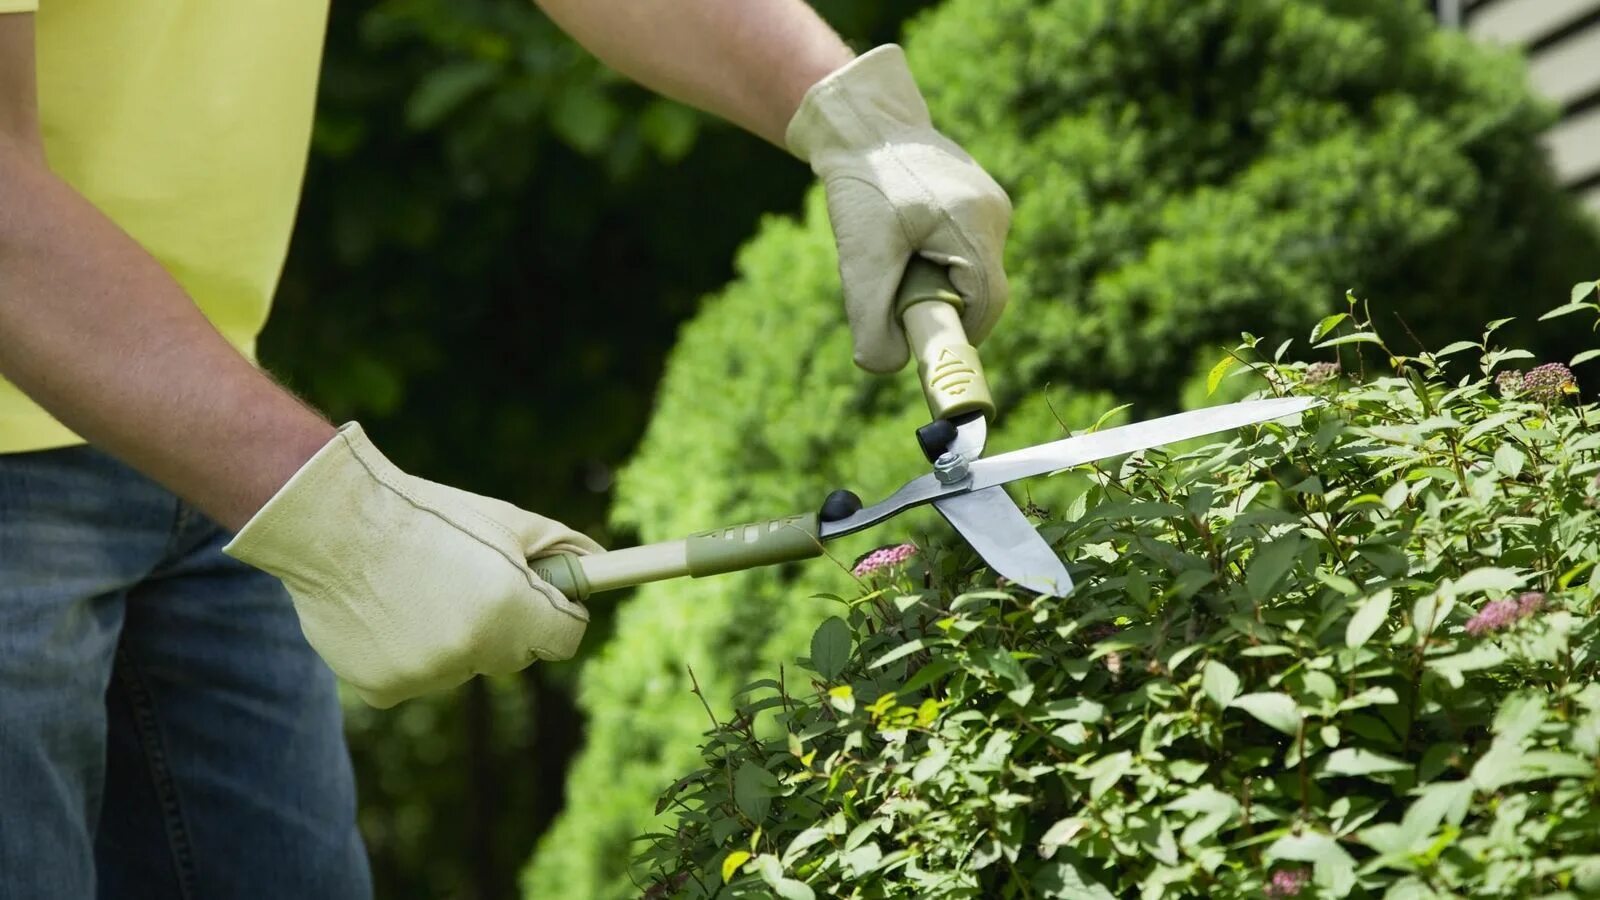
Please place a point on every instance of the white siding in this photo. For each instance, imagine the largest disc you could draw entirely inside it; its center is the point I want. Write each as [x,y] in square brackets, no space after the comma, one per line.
[1569,69]
[1565,69]
[1522,21]
[1575,146]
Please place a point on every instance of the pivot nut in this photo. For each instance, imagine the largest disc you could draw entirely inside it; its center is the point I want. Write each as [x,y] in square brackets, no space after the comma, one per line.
[950,468]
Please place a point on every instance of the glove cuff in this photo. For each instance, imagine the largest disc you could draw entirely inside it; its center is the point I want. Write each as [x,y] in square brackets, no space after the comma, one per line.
[282,533]
[858,106]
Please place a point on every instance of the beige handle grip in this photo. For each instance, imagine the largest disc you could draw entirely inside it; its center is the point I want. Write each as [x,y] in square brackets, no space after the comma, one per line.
[952,375]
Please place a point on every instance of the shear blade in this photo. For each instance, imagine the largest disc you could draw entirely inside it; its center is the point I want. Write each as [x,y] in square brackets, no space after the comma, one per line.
[990,521]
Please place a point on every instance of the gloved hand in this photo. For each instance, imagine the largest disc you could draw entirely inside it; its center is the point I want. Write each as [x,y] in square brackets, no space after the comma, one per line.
[895,187]
[405,586]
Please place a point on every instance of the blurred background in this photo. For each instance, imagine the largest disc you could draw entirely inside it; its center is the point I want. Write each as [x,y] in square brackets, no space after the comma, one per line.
[531,279]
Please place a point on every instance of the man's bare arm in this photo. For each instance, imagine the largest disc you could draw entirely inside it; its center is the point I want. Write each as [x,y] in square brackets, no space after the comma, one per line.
[93,329]
[749,61]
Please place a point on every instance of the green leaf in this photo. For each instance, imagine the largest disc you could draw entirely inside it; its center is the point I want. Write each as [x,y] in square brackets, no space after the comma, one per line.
[1270,564]
[1272,708]
[802,842]
[1519,715]
[1219,683]
[731,864]
[861,860]
[1489,579]
[1429,611]
[1062,832]
[1540,764]
[1355,761]
[1338,582]
[1327,325]
[1456,347]
[1483,656]
[1107,771]
[925,676]
[1334,869]
[1371,615]
[830,647]
[1565,309]
[1389,560]
[1359,337]
[771,872]
[753,790]
[1212,810]
[1508,460]
[1497,767]
[1584,357]
[904,650]
[444,90]
[1217,371]
[1072,709]
[1583,289]
[585,117]
[670,128]
[1061,880]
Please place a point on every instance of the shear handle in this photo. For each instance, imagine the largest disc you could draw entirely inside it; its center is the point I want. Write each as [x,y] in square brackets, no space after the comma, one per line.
[952,375]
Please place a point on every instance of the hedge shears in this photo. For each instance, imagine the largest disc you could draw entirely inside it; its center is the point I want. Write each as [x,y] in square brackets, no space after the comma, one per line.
[966,487]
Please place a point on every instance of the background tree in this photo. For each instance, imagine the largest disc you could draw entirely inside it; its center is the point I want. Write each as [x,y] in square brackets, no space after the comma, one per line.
[490,264]
[1182,170]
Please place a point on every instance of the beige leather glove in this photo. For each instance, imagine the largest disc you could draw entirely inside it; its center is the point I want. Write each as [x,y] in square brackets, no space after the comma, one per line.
[896,187]
[405,586]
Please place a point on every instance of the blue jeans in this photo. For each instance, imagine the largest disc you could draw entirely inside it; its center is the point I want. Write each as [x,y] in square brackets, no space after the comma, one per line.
[165,730]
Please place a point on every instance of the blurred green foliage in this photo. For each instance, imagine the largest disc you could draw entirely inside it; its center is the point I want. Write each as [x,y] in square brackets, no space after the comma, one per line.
[498,240]
[1182,170]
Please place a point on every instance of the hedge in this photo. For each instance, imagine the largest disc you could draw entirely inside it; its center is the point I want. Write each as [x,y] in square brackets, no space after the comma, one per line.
[1355,655]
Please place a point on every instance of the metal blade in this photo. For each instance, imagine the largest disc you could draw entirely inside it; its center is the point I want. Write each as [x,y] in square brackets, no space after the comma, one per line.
[1068,452]
[990,521]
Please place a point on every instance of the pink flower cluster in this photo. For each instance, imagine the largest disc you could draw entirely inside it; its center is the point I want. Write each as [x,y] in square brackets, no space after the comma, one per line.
[884,558]
[1498,615]
[1322,373]
[1549,382]
[1288,882]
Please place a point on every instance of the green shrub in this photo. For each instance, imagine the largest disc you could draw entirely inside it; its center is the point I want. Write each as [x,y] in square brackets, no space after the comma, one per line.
[1350,656]
[1182,170]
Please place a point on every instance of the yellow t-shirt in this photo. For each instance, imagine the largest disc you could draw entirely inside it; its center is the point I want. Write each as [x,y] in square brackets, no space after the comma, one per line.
[187,122]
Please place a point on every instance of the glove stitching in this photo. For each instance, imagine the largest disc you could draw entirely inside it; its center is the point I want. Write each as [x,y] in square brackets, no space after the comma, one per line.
[906,230]
[418,503]
[532,579]
[953,227]
[848,102]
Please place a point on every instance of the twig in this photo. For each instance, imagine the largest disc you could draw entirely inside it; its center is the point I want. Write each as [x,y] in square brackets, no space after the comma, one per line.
[701,694]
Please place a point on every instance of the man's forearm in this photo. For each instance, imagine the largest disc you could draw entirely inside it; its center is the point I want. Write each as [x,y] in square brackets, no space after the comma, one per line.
[749,62]
[95,331]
